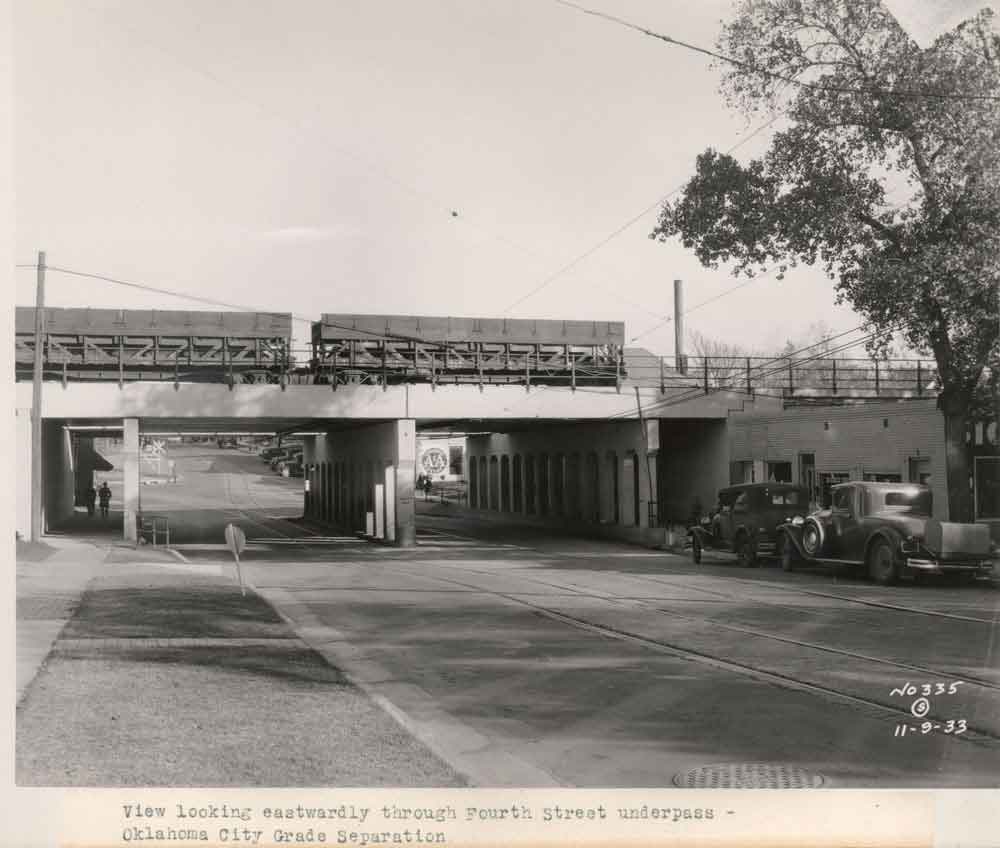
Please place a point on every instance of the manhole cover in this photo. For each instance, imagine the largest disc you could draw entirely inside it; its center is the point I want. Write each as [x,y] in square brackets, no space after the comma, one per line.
[748,776]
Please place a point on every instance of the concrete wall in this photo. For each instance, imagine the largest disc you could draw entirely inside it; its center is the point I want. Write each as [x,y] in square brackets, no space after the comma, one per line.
[58,474]
[693,464]
[369,469]
[854,440]
[365,402]
[581,475]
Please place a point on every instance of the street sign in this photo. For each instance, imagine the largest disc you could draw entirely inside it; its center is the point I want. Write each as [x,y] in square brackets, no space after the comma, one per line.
[236,541]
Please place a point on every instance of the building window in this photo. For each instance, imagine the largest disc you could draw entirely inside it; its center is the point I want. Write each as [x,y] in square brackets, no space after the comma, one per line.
[828,479]
[919,470]
[779,472]
[740,471]
[987,486]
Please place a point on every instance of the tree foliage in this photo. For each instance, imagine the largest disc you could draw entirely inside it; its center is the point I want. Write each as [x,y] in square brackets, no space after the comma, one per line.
[887,175]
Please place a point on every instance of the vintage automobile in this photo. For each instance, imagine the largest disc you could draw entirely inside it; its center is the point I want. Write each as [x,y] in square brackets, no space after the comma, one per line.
[747,518]
[888,529]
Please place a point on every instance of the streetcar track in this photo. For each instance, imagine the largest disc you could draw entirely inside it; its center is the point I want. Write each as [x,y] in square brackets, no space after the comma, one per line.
[812,592]
[579,592]
[974,735]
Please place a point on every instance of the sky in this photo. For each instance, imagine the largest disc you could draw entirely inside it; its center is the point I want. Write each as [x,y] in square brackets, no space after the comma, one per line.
[440,157]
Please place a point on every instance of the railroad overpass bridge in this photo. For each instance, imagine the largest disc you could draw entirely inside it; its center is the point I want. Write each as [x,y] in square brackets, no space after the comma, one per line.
[367,427]
[569,424]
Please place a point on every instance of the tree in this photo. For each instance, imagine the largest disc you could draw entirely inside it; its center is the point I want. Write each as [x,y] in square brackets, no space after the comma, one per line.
[869,114]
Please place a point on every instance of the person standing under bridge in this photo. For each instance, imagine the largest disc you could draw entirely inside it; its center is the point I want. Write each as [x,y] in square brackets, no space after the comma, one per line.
[90,498]
[104,494]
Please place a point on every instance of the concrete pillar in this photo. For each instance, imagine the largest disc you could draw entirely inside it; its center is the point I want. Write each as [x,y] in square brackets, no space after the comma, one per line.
[379,510]
[130,478]
[390,503]
[627,491]
[406,476]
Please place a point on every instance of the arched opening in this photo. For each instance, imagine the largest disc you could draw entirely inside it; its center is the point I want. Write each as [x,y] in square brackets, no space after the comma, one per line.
[530,485]
[559,485]
[494,483]
[473,483]
[505,483]
[574,497]
[543,484]
[517,484]
[592,490]
[327,491]
[610,502]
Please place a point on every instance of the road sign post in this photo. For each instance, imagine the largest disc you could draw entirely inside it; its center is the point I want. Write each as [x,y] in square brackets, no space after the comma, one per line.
[236,540]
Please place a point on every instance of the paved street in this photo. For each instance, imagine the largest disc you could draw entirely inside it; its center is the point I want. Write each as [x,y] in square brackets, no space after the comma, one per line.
[525,657]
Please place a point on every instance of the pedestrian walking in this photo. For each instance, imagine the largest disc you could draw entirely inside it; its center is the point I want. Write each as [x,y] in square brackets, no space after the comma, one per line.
[90,499]
[104,493]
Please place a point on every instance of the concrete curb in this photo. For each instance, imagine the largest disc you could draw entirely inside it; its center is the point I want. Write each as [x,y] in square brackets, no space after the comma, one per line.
[467,751]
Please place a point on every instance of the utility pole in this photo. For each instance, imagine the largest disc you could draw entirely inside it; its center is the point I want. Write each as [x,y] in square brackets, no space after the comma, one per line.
[36,406]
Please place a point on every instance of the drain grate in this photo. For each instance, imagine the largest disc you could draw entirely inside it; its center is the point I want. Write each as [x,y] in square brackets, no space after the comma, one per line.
[748,776]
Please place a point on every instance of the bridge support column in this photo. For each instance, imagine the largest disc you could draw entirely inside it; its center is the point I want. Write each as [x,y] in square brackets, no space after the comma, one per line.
[406,475]
[130,478]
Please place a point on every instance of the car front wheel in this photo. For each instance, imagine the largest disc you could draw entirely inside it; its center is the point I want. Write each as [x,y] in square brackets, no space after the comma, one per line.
[883,564]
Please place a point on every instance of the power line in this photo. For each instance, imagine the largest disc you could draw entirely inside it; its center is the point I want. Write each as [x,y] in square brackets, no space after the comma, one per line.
[727,292]
[821,355]
[698,391]
[746,66]
[618,231]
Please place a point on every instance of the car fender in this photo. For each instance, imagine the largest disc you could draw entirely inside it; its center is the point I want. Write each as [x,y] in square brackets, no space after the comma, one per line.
[892,536]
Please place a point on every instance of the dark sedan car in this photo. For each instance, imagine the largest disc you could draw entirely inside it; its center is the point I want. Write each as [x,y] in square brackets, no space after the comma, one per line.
[888,529]
[747,518]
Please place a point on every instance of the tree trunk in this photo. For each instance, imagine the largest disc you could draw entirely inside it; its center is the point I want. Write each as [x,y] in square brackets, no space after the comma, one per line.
[959,468]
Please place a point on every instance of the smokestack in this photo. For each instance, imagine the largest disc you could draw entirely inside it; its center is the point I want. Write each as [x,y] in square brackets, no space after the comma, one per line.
[680,359]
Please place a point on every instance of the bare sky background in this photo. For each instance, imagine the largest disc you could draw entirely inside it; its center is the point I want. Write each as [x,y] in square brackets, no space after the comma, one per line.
[307,156]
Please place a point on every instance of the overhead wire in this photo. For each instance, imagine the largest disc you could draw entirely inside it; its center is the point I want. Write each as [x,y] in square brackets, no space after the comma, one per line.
[785,358]
[747,66]
[551,278]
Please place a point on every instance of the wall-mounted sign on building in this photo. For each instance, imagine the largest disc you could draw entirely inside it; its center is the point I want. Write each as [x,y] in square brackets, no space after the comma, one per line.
[434,461]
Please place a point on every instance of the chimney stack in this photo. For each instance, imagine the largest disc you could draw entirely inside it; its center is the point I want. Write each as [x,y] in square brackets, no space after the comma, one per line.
[679,358]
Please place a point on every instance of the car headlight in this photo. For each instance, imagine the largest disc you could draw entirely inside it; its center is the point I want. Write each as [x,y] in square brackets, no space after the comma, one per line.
[798,521]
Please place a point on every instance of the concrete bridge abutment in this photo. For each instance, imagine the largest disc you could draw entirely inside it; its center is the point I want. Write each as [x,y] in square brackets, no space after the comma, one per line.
[364,478]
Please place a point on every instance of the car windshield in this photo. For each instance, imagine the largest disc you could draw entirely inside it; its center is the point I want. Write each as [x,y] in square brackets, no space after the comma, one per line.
[911,501]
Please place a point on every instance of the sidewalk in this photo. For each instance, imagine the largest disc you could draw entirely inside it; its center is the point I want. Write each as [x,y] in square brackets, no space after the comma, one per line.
[48,592]
[139,673]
